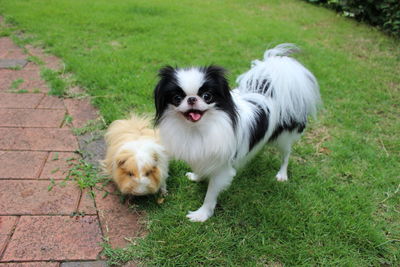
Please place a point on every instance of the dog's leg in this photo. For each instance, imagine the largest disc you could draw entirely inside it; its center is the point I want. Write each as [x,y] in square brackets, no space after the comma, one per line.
[194,177]
[282,176]
[217,183]
[284,143]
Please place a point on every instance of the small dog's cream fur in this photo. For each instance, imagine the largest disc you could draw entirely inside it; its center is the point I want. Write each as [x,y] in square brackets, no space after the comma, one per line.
[135,159]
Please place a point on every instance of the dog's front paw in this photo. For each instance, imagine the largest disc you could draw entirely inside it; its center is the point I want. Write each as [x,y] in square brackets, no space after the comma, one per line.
[200,215]
[193,177]
[281,177]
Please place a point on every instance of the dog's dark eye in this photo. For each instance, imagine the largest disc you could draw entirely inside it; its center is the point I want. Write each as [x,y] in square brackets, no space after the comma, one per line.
[130,174]
[177,99]
[207,96]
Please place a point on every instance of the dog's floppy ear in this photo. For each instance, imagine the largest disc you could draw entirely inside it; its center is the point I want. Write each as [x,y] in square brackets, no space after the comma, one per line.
[165,74]
[215,72]
[216,79]
[216,75]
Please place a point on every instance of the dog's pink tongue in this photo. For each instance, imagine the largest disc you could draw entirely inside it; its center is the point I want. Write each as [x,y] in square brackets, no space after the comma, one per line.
[195,116]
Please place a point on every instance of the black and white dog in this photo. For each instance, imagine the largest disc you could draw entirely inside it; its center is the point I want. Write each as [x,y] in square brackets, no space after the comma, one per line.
[216,130]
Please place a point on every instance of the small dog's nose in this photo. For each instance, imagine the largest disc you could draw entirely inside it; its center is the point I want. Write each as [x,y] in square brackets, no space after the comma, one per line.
[192,100]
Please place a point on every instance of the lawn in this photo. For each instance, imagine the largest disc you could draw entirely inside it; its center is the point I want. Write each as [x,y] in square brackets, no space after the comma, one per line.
[341,205]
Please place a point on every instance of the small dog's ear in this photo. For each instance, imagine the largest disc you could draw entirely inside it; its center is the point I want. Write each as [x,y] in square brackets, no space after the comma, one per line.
[217,75]
[159,102]
[215,72]
[165,74]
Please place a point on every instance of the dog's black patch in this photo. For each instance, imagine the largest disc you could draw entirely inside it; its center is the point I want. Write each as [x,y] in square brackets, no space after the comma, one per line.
[290,127]
[217,85]
[260,126]
[262,86]
[167,91]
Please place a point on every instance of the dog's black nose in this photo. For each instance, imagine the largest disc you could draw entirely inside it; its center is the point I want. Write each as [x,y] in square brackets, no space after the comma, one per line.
[191,100]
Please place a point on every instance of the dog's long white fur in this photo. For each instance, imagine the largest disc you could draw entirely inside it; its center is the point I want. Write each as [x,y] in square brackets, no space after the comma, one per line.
[213,149]
[295,89]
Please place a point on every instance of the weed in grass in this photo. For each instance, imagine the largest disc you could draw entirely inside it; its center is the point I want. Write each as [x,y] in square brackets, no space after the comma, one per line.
[10,20]
[55,157]
[55,170]
[4,32]
[21,39]
[51,185]
[20,91]
[78,214]
[16,83]
[86,176]
[90,126]
[35,60]
[118,256]
[70,159]
[57,85]
[17,67]
[68,119]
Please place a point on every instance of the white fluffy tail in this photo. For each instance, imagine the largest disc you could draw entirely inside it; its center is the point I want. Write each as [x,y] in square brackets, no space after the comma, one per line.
[292,87]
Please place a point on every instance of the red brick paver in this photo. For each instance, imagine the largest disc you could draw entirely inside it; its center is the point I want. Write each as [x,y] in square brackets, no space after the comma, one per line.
[50,61]
[10,100]
[28,79]
[30,264]
[86,204]
[31,118]
[45,220]
[58,164]
[37,198]
[47,139]
[118,222]
[81,111]
[21,164]
[51,102]
[9,50]
[7,224]
[84,264]
[55,238]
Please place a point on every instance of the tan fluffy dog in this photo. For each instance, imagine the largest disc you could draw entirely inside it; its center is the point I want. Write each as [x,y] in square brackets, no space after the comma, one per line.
[135,159]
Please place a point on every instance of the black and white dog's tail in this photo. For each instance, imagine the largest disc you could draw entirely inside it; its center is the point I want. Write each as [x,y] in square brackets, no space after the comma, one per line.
[292,88]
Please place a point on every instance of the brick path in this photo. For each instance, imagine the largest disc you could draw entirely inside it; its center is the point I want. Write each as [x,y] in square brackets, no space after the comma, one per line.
[37,227]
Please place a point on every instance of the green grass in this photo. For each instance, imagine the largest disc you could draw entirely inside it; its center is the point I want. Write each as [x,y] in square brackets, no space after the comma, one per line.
[341,206]
[16,83]
[35,60]
[85,174]
[57,85]
[20,91]
[90,126]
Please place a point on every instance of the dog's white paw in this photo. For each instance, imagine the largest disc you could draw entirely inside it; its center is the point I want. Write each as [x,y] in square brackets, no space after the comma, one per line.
[281,177]
[193,177]
[200,215]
